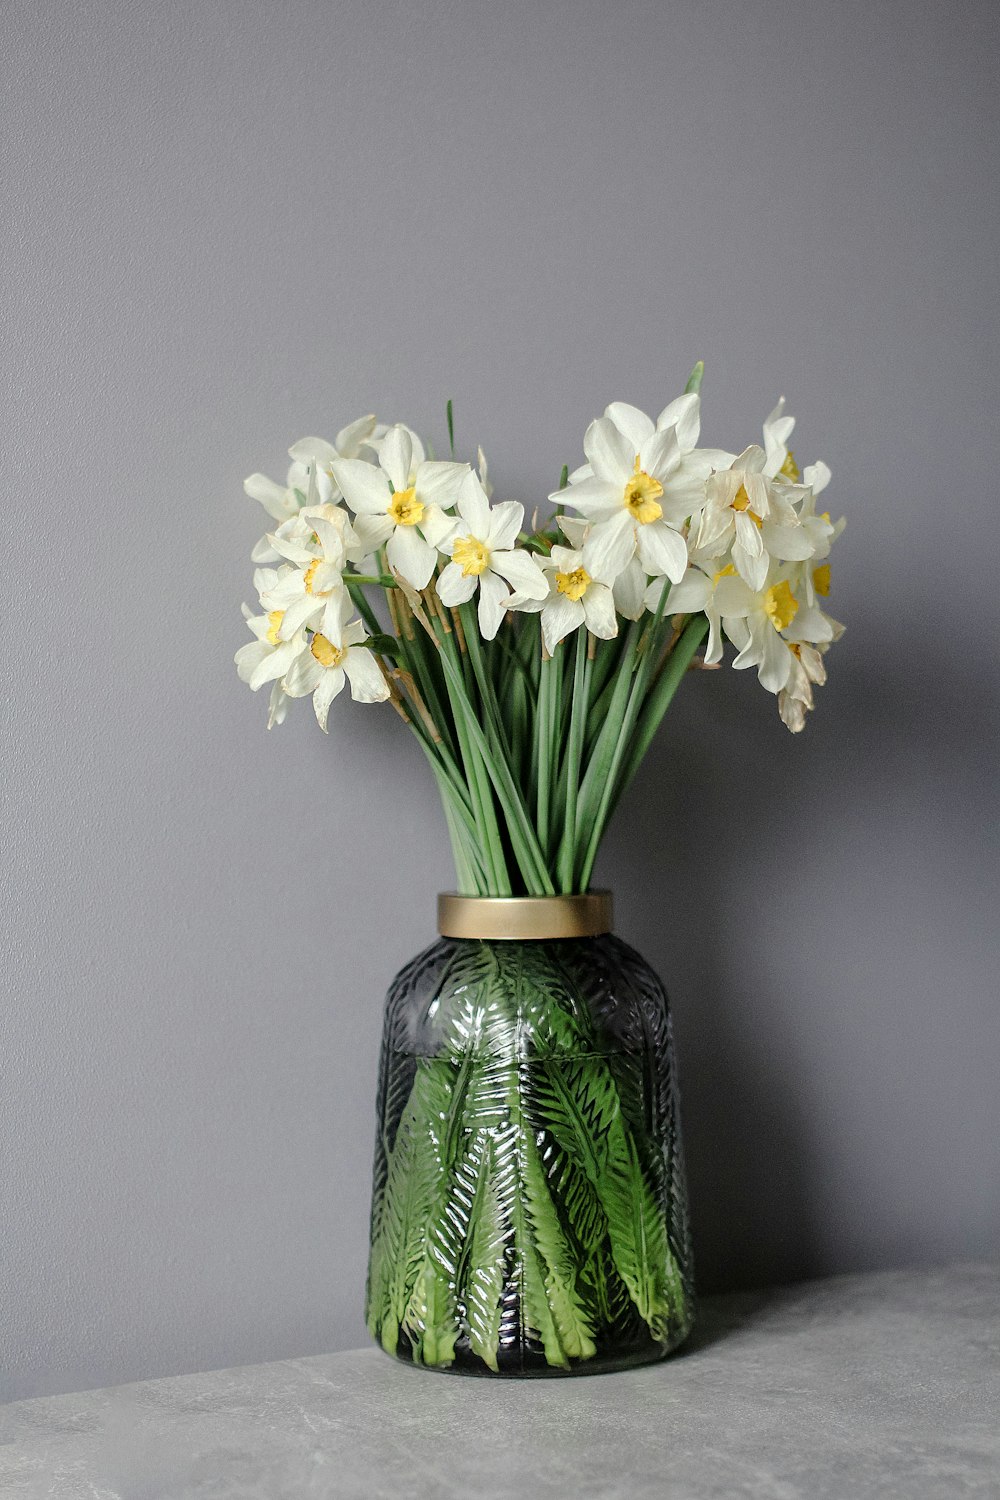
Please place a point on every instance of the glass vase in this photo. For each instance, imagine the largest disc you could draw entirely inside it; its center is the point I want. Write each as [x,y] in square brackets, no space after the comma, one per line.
[529,1210]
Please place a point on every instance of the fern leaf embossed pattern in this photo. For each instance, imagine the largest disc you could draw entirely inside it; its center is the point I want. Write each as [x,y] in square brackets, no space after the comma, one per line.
[529,1215]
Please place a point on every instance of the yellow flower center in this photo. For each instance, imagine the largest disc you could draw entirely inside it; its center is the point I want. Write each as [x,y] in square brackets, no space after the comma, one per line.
[642,496]
[574,585]
[274,620]
[742,502]
[821,579]
[405,509]
[727,572]
[325,652]
[472,556]
[307,582]
[790,468]
[781,605]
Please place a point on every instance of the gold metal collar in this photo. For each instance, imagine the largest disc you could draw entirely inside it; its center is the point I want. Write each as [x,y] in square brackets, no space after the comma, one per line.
[523,918]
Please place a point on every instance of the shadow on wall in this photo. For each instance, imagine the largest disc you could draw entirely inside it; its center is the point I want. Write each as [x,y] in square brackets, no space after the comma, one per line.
[729,856]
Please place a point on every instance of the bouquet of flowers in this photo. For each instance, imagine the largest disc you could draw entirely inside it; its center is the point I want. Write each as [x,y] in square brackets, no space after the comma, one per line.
[535,663]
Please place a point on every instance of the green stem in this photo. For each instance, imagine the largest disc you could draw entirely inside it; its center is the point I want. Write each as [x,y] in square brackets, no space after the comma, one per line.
[574,752]
[522,834]
[647,652]
[660,698]
[543,734]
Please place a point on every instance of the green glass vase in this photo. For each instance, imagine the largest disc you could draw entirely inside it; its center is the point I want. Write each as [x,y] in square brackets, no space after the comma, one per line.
[529,1212]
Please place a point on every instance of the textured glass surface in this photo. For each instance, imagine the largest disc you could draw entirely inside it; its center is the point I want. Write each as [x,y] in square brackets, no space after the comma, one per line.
[529,1213]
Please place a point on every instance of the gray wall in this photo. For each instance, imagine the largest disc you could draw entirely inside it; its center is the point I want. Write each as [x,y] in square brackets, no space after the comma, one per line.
[231,224]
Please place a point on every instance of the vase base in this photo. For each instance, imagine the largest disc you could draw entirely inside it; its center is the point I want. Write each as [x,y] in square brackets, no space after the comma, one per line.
[531,1364]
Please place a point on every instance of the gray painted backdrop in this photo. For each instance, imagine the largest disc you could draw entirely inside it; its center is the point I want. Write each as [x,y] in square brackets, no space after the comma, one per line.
[231,224]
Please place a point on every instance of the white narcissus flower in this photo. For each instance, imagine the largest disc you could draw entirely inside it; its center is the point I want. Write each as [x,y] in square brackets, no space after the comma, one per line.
[778,460]
[749,513]
[574,599]
[795,699]
[319,455]
[629,586]
[323,668]
[279,500]
[309,480]
[764,624]
[822,532]
[267,657]
[626,502]
[312,592]
[705,589]
[640,485]
[401,504]
[481,547]
[683,417]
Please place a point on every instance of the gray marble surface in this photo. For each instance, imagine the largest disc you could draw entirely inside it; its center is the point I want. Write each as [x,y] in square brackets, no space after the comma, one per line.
[860,1386]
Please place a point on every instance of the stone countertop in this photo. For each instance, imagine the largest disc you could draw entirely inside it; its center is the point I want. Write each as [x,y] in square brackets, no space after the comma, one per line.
[875,1385]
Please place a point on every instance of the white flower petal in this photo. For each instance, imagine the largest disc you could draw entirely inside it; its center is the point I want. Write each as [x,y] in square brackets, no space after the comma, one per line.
[790,543]
[303,676]
[249,657]
[713,651]
[684,415]
[506,520]
[629,420]
[302,611]
[599,611]
[662,550]
[365,488]
[276,664]
[747,534]
[493,597]
[351,437]
[810,624]
[660,455]
[753,570]
[817,476]
[714,530]
[738,632]
[776,661]
[373,531]
[564,559]
[277,708]
[610,546]
[691,593]
[521,570]
[473,506]
[629,590]
[335,611]
[365,676]
[411,555]
[439,482]
[732,598]
[559,617]
[396,455]
[329,685]
[278,501]
[437,527]
[263,552]
[592,497]
[332,539]
[750,461]
[454,587]
[609,451]
[574,529]
[313,450]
